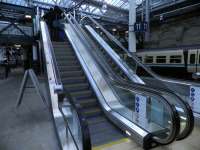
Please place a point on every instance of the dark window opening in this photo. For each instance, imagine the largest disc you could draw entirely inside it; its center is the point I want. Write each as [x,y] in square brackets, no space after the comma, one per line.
[161,59]
[175,59]
[192,58]
[149,59]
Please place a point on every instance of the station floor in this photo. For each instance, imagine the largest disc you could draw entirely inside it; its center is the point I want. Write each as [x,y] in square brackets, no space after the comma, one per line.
[31,127]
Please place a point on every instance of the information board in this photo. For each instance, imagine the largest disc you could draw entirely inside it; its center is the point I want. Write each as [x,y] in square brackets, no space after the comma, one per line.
[195,98]
[141,109]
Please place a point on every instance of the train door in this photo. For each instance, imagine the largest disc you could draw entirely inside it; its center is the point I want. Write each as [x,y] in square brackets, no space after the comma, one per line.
[192,61]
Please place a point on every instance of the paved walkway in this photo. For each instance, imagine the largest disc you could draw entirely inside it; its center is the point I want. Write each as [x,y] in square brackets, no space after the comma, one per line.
[28,128]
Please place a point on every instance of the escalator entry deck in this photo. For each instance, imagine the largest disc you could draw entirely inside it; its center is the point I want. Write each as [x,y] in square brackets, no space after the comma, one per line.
[102,131]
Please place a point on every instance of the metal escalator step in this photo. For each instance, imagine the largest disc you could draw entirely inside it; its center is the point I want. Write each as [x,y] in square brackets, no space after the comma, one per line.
[77,87]
[62,47]
[95,120]
[82,94]
[100,127]
[60,44]
[67,62]
[90,102]
[57,42]
[65,57]
[64,52]
[71,73]
[73,80]
[65,45]
[69,68]
[105,137]
[92,112]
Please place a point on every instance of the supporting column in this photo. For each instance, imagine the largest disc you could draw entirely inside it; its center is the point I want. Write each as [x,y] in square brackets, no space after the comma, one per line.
[147,19]
[37,18]
[132,20]
[35,54]
[35,61]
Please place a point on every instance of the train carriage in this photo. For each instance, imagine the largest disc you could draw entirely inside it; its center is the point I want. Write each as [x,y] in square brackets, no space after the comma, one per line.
[179,62]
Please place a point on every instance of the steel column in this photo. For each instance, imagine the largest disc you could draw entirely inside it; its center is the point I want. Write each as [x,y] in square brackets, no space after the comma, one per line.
[147,19]
[132,20]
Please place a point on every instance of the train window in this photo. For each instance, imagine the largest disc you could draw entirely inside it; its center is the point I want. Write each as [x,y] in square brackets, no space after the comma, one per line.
[149,59]
[175,59]
[192,58]
[161,59]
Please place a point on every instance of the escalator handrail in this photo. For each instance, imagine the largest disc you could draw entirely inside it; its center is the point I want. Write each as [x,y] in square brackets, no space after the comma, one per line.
[63,93]
[176,122]
[190,123]
[53,58]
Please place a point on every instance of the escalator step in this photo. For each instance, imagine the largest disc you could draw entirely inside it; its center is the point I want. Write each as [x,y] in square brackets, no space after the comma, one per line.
[106,137]
[64,51]
[100,127]
[77,87]
[70,68]
[67,63]
[92,102]
[82,94]
[64,44]
[95,120]
[73,80]
[92,112]
[65,57]
[71,73]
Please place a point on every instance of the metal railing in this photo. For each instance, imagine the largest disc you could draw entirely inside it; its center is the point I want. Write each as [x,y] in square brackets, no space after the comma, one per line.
[63,106]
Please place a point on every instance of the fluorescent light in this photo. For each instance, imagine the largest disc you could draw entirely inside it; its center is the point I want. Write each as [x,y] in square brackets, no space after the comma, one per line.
[114,30]
[17,45]
[28,16]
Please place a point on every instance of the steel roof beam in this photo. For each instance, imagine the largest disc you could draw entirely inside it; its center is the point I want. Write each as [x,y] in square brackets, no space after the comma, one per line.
[17,8]
[99,4]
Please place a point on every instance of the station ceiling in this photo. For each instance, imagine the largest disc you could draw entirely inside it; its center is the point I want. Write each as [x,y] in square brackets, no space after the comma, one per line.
[107,9]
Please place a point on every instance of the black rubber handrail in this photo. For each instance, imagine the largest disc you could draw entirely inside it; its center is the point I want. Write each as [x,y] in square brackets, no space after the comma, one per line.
[190,118]
[175,119]
[63,93]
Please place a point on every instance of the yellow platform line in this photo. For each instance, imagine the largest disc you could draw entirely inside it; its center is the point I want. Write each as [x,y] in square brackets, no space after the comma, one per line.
[110,144]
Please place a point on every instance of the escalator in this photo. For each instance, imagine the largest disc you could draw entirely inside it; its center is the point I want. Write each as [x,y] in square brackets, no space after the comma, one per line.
[126,69]
[94,107]
[75,81]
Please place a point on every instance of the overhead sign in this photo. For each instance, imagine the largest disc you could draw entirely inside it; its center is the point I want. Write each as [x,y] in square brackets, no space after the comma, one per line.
[141,109]
[141,26]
